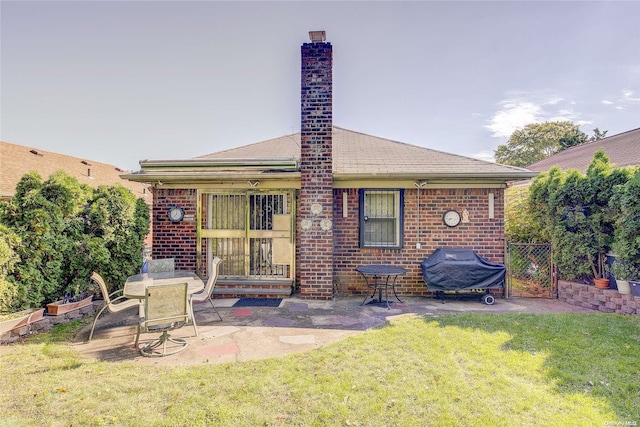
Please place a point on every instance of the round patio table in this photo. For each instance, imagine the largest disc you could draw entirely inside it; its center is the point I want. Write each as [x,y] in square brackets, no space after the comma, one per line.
[379,277]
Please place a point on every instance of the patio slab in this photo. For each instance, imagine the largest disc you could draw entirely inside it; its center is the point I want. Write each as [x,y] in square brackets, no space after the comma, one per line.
[297,325]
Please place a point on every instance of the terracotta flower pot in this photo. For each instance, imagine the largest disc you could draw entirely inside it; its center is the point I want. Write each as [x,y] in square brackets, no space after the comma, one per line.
[601,283]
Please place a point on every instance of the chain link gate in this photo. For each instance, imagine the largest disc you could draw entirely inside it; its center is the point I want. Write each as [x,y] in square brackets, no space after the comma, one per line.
[530,270]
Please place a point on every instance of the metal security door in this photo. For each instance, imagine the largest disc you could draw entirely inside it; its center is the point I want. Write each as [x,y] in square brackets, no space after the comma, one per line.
[269,235]
[251,232]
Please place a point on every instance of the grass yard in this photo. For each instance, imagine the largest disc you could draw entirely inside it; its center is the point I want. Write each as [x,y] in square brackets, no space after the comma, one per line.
[450,370]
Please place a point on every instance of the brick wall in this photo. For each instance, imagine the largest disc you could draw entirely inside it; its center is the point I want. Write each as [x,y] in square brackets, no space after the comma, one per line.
[605,300]
[482,234]
[314,255]
[317,250]
[175,239]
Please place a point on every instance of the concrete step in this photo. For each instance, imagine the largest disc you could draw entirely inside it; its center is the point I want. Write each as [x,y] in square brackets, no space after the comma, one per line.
[254,288]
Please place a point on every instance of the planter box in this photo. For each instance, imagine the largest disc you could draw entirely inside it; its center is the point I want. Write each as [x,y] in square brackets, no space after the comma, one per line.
[59,307]
[635,288]
[22,318]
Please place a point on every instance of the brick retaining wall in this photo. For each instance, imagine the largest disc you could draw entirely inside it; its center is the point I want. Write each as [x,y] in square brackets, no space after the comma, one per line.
[604,300]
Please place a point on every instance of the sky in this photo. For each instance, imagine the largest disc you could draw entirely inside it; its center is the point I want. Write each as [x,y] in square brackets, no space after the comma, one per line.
[123,81]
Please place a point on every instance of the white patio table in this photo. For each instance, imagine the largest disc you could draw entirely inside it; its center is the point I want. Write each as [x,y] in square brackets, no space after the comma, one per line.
[136,285]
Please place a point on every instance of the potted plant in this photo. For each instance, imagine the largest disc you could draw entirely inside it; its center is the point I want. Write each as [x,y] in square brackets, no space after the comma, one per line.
[599,268]
[626,244]
[576,216]
[623,272]
[601,185]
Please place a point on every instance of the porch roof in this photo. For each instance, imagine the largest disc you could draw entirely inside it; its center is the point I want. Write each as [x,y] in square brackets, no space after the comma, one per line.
[355,156]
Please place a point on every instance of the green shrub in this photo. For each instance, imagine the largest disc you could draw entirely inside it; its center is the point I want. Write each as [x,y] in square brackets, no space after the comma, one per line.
[626,243]
[67,230]
[519,223]
[9,241]
[576,216]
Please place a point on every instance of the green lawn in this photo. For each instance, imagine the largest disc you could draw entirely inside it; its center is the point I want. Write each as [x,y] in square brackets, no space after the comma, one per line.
[451,370]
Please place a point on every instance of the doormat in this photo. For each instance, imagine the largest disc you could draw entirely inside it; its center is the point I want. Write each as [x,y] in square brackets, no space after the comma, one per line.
[258,302]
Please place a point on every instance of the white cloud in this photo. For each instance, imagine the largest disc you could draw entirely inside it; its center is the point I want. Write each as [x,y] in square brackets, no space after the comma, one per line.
[626,99]
[522,108]
[512,116]
[568,115]
[564,114]
[629,96]
[554,101]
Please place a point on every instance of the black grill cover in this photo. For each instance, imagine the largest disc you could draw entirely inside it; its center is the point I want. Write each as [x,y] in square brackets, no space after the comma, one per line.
[449,269]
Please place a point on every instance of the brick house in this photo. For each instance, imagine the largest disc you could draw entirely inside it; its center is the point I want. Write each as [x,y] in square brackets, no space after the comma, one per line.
[299,213]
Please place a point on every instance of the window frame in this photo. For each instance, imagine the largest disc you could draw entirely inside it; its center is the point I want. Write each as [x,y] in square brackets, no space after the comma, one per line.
[398,220]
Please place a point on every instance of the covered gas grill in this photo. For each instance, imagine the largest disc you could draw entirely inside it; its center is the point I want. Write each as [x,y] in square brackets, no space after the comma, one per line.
[454,270]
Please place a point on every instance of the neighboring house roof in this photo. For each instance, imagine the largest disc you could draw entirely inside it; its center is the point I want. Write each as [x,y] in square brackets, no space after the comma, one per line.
[622,149]
[17,160]
[355,156]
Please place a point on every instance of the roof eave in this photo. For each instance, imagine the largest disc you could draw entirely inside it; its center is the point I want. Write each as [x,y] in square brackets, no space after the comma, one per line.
[503,176]
[176,176]
[204,176]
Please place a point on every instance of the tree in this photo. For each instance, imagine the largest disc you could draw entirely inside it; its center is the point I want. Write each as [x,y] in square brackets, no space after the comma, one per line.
[36,215]
[537,141]
[122,222]
[66,230]
[576,215]
[626,243]
[598,135]
[9,242]
[519,225]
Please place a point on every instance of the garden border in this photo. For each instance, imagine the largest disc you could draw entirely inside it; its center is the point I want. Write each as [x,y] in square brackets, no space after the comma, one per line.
[604,300]
[46,323]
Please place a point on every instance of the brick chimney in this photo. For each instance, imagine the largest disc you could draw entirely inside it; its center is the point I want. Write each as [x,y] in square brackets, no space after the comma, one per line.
[315,207]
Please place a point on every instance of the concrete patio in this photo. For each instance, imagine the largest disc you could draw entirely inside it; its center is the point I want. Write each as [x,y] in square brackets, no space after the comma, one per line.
[251,333]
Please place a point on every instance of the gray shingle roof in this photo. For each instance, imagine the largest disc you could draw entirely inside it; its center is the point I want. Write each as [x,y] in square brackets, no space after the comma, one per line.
[359,154]
[622,149]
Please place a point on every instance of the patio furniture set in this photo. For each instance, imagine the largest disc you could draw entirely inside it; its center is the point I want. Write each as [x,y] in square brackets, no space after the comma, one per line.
[451,271]
[164,297]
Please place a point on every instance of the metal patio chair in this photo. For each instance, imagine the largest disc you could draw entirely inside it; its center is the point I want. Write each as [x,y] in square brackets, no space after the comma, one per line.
[166,307]
[207,293]
[110,304]
[161,265]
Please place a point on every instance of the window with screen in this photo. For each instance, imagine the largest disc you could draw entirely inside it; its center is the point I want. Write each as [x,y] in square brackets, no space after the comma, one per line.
[381,218]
